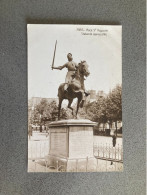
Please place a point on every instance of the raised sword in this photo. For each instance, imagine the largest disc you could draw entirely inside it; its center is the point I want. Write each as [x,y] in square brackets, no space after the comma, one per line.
[54,55]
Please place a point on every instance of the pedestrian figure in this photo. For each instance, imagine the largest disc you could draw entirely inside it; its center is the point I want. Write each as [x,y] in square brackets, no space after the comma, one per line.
[40,128]
[113,143]
[114,140]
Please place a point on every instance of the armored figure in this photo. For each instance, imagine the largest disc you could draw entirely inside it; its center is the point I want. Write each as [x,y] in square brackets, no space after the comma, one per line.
[72,67]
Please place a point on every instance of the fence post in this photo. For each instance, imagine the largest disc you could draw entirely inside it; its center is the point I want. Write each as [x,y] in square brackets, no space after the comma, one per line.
[118,151]
[57,165]
[112,152]
[86,163]
[35,165]
[44,149]
[31,151]
[115,158]
[97,165]
[106,156]
[77,165]
[106,164]
[103,150]
[121,153]
[66,164]
[36,151]
[40,151]
[98,149]
[109,151]
[46,162]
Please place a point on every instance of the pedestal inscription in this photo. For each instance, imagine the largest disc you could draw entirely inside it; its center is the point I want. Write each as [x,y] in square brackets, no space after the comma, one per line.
[58,141]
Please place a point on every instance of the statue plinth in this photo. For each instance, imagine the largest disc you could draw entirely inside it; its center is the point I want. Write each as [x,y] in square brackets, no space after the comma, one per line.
[70,140]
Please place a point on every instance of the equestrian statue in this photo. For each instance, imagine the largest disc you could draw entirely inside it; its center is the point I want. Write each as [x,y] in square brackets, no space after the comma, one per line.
[74,83]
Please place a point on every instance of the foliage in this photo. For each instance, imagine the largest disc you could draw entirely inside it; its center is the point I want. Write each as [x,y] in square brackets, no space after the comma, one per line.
[45,109]
[48,111]
[114,104]
[106,109]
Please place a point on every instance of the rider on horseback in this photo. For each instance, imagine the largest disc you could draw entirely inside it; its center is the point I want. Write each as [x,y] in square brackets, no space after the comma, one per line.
[72,67]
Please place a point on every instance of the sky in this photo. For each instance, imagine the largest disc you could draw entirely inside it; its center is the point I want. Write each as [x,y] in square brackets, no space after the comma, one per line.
[99,45]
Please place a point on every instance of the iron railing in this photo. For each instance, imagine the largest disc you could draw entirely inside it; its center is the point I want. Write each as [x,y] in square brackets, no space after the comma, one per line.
[106,158]
[108,152]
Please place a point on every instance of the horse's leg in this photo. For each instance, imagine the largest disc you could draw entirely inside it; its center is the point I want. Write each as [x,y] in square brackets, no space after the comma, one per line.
[82,98]
[69,105]
[78,104]
[59,107]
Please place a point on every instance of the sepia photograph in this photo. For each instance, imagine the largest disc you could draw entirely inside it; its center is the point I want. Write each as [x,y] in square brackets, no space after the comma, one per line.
[74,98]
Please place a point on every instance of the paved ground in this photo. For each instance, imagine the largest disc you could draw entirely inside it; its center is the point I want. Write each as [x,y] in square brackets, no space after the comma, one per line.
[102,166]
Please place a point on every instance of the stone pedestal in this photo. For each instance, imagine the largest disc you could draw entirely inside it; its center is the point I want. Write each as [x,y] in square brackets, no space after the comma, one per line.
[71,142]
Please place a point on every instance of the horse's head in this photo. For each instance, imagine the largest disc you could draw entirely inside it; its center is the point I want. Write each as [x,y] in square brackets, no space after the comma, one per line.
[83,68]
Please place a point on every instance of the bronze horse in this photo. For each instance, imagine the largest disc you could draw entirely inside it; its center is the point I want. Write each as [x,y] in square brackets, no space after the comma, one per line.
[75,89]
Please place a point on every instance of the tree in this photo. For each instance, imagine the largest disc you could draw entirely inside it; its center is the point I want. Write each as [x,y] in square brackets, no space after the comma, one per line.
[106,109]
[114,105]
[97,111]
[41,107]
[45,109]
[48,111]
